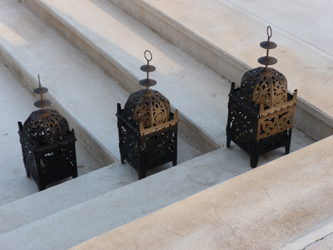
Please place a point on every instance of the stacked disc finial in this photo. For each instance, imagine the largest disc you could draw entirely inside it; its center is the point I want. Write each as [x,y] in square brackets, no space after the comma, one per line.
[267,60]
[40,91]
[147,68]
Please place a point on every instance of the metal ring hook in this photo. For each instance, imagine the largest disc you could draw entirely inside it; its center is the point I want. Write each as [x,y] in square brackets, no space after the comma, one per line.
[151,56]
[269,31]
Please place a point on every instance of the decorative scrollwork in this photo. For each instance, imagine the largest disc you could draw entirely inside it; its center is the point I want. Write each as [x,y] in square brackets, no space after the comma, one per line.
[266,87]
[241,123]
[147,151]
[46,127]
[275,123]
[150,108]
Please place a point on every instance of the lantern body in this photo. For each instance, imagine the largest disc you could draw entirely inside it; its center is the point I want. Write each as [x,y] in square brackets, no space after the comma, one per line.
[147,131]
[261,113]
[48,147]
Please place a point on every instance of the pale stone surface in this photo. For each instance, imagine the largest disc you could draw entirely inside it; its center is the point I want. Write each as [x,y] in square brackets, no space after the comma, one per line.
[68,228]
[60,197]
[304,19]
[262,209]
[131,201]
[275,194]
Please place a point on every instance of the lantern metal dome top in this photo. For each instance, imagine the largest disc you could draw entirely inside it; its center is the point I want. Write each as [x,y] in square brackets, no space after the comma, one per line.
[45,126]
[264,85]
[147,106]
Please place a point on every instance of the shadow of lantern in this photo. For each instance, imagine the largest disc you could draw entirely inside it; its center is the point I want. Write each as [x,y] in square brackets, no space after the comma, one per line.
[147,128]
[261,111]
[48,146]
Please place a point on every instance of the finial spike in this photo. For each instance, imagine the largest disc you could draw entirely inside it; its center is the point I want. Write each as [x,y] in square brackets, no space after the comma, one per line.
[269,32]
[40,91]
[40,86]
[267,60]
[147,68]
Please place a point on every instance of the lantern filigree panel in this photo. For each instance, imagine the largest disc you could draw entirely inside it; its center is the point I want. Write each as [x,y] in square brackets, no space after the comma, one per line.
[242,123]
[129,144]
[46,127]
[275,123]
[258,130]
[150,108]
[273,142]
[160,148]
[48,163]
[147,148]
[264,86]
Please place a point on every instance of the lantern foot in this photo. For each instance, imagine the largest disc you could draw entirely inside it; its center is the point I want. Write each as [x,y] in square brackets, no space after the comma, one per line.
[228,141]
[74,175]
[174,162]
[41,187]
[142,174]
[287,147]
[28,174]
[254,160]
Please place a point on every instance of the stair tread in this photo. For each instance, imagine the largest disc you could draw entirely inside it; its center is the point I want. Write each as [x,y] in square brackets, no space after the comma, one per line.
[70,193]
[103,213]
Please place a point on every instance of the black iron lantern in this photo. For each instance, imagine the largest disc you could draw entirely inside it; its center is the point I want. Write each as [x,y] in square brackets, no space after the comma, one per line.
[48,146]
[147,128]
[261,111]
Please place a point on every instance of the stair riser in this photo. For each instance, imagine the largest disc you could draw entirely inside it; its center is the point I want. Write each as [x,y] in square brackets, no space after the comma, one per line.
[201,49]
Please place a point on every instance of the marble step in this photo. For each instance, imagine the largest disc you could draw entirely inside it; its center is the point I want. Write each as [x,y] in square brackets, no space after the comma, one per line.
[40,205]
[78,223]
[286,204]
[225,36]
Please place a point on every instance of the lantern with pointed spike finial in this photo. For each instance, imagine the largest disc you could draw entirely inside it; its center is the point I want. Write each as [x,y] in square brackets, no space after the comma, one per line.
[147,129]
[261,111]
[48,146]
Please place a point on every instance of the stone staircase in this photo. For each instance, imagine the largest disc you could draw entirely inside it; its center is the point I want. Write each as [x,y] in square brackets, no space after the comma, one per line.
[88,53]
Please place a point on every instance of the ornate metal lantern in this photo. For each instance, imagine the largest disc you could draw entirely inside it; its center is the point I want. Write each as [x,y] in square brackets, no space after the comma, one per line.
[261,111]
[147,129]
[48,146]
